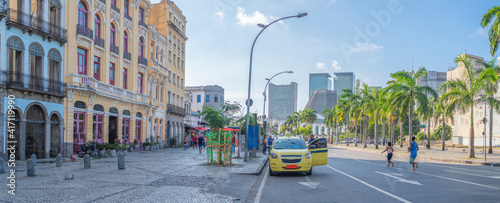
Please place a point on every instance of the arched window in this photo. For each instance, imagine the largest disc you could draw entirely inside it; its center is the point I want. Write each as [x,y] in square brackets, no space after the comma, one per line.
[82,14]
[82,61]
[36,66]
[125,41]
[141,47]
[112,34]
[54,66]
[157,58]
[97,26]
[15,52]
[125,7]
[141,15]
[54,15]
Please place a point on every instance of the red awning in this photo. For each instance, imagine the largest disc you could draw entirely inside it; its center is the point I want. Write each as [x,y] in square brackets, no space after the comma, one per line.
[200,128]
[230,129]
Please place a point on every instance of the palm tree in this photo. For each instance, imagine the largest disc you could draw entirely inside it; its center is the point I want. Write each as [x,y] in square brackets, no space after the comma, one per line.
[331,120]
[343,115]
[492,88]
[463,93]
[375,114]
[441,114]
[353,103]
[427,114]
[492,18]
[404,91]
[365,109]
[308,116]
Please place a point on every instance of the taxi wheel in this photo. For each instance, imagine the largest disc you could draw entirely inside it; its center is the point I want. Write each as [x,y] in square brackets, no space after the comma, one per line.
[309,172]
[271,173]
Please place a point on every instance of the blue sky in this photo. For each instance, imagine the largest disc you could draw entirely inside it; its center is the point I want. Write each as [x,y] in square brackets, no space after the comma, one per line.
[370,38]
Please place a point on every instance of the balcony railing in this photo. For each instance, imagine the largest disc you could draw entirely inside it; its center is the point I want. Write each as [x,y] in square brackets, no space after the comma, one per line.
[143,61]
[114,49]
[3,9]
[179,31]
[176,110]
[114,8]
[99,41]
[85,31]
[143,24]
[35,24]
[128,18]
[28,82]
[127,55]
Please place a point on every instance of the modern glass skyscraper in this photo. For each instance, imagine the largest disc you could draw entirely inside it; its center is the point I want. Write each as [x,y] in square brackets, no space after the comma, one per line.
[344,80]
[282,100]
[319,81]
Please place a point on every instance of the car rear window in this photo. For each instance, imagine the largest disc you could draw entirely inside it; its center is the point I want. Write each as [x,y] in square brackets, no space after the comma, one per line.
[289,144]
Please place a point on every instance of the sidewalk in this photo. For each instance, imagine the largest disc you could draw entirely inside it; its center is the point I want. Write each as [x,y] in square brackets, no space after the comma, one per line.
[165,175]
[431,154]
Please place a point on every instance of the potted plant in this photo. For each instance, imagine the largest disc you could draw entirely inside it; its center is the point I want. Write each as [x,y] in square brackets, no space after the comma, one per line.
[113,148]
[145,146]
[136,144]
[102,149]
[151,145]
[173,141]
[125,149]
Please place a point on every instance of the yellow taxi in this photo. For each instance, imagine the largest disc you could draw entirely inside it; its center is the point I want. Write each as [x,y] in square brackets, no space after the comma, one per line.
[292,154]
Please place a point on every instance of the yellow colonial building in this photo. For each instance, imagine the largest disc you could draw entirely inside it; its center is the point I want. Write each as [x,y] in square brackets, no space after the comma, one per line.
[121,85]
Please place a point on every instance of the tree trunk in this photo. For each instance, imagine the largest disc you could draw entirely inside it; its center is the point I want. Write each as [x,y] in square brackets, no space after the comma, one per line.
[410,116]
[383,134]
[428,133]
[400,134]
[443,135]
[376,134]
[347,130]
[471,134]
[490,150]
[391,130]
[337,134]
[365,132]
[356,133]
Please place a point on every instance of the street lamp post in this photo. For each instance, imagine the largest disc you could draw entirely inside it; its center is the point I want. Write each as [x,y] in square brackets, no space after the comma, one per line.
[249,102]
[264,123]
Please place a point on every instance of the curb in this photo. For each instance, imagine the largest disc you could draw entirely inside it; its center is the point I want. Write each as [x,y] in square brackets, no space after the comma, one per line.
[259,169]
[492,164]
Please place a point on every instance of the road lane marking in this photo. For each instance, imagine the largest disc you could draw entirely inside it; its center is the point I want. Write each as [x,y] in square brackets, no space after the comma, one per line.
[365,183]
[400,179]
[261,188]
[442,177]
[494,177]
[309,183]
[456,168]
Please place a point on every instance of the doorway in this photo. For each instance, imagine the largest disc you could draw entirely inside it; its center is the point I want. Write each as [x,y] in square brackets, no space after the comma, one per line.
[113,132]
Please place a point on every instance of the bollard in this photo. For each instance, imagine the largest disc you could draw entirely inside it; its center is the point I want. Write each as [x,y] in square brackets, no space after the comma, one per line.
[2,166]
[31,167]
[121,161]
[59,160]
[33,156]
[86,161]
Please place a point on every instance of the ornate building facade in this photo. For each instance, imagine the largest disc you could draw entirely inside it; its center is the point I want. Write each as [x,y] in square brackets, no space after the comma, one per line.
[121,85]
[32,35]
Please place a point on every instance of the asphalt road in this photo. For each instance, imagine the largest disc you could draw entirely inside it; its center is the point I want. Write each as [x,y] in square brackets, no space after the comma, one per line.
[352,176]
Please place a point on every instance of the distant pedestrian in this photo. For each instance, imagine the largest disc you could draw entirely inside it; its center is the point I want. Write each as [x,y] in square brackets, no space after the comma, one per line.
[413,148]
[311,138]
[185,142]
[389,150]
[201,139]
[269,143]
[234,142]
[195,142]
[264,144]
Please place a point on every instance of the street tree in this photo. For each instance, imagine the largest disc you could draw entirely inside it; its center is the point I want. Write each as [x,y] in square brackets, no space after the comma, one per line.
[464,92]
[492,19]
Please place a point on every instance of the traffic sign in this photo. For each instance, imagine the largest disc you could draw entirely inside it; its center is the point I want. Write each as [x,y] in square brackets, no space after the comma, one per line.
[249,102]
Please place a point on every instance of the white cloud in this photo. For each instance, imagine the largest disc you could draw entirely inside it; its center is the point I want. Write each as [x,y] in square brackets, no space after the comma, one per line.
[335,65]
[320,65]
[219,14]
[366,47]
[480,32]
[252,19]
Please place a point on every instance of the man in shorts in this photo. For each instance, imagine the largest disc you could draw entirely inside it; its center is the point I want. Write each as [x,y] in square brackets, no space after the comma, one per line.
[413,153]
[201,140]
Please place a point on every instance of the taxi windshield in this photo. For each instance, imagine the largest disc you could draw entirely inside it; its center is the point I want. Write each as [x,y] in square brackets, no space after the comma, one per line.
[289,144]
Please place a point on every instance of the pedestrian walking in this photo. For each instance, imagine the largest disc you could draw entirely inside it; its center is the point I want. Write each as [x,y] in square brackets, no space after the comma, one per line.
[264,144]
[269,143]
[185,142]
[234,143]
[389,150]
[195,142]
[413,148]
[201,140]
